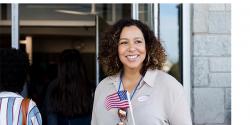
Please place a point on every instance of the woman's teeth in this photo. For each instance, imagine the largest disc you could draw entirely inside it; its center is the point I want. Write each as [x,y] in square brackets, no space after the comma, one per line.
[132,57]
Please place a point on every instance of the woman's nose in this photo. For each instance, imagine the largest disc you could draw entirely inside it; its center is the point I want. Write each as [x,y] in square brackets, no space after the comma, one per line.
[131,47]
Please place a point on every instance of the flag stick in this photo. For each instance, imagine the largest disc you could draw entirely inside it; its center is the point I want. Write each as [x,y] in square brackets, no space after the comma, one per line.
[130,107]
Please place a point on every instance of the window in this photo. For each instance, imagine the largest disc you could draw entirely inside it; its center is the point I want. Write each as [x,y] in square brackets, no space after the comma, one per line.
[171,38]
[5,27]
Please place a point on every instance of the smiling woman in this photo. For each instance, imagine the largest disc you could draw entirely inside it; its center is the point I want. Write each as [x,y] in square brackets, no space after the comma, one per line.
[133,58]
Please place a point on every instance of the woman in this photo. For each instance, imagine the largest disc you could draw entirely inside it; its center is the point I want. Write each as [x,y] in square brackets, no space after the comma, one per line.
[69,98]
[14,68]
[133,57]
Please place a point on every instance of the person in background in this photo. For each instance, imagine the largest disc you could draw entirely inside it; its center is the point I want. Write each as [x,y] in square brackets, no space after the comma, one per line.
[69,96]
[14,67]
[132,58]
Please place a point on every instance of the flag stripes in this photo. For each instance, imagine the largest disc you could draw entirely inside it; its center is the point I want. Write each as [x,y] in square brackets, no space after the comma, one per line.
[117,100]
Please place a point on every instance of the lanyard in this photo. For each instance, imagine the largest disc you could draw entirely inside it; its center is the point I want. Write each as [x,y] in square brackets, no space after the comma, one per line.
[134,89]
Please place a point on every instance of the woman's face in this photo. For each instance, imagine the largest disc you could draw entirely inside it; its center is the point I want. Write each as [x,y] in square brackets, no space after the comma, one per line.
[131,48]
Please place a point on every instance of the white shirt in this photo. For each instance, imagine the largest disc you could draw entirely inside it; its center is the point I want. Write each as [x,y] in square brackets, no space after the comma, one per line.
[159,100]
[11,112]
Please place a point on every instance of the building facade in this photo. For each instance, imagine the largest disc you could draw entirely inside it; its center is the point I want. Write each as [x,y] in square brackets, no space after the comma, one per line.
[197,39]
[211,64]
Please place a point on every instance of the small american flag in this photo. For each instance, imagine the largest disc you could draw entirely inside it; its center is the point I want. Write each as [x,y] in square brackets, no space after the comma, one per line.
[117,100]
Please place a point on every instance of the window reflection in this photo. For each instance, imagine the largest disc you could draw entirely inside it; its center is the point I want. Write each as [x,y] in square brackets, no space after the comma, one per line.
[169,35]
[146,14]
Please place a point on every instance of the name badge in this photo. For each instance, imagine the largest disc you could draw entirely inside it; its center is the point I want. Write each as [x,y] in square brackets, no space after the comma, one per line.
[143,98]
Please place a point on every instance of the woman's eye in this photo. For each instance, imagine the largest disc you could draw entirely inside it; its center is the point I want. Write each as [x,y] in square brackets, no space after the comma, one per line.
[123,42]
[138,41]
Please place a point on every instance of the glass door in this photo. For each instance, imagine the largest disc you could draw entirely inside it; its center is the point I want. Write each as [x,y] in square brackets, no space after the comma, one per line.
[170,29]
[48,29]
[101,26]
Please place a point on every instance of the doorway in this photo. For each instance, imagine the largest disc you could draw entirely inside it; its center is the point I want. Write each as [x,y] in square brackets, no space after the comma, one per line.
[48,29]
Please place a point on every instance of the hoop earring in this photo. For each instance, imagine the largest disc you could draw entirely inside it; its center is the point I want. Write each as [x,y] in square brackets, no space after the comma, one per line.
[116,62]
[148,59]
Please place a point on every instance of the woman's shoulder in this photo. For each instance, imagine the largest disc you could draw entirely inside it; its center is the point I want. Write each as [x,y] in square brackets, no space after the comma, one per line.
[107,83]
[166,76]
[164,79]
[159,75]
[32,103]
[108,80]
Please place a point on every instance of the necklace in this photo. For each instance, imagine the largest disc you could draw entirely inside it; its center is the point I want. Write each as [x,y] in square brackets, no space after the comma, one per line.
[122,113]
[135,87]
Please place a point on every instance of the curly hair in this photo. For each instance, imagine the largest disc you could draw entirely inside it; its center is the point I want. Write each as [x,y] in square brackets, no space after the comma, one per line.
[108,55]
[14,67]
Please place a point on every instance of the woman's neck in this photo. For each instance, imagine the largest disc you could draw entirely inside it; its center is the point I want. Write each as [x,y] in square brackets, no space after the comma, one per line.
[130,79]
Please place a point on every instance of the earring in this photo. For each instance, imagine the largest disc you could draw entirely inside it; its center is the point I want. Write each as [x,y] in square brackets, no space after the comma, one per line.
[116,62]
[148,59]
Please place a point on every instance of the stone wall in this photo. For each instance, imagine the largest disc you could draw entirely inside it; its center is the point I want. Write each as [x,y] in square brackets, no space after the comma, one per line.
[211,64]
